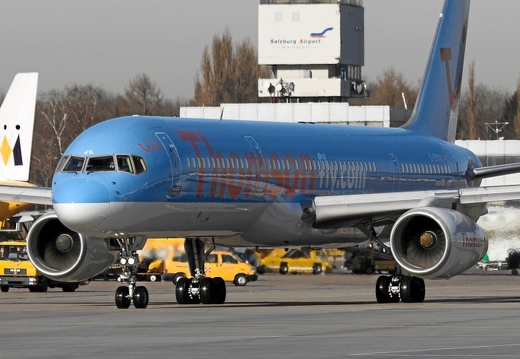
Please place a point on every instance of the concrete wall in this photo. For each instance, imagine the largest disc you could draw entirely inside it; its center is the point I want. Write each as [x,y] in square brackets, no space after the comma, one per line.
[337,113]
[495,153]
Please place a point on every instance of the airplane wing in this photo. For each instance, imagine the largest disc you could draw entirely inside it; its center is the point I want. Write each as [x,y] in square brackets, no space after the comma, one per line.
[330,208]
[33,195]
[381,205]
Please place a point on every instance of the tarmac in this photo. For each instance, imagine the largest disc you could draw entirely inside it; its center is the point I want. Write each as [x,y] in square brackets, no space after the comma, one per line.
[279,316]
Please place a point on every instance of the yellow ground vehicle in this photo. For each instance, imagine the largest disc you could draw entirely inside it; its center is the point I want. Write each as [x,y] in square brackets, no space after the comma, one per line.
[164,258]
[155,253]
[295,261]
[16,271]
[219,263]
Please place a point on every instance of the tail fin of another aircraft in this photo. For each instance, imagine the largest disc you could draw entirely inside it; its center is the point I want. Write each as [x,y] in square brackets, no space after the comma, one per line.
[16,127]
[437,105]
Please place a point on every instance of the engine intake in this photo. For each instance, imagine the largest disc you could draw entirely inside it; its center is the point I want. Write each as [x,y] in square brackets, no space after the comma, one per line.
[64,255]
[433,242]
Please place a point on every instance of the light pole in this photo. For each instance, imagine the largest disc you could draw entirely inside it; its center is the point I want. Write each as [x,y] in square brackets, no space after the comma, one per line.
[496,127]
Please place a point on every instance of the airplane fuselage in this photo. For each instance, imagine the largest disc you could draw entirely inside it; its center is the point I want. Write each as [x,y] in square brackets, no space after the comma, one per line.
[242,182]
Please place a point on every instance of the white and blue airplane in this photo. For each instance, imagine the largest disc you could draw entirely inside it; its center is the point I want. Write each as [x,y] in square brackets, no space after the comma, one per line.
[242,183]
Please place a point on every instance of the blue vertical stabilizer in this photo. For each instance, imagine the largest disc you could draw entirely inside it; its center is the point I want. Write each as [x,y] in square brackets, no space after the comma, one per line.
[436,109]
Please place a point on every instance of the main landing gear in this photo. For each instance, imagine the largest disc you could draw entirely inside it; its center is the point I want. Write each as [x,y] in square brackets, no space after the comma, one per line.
[198,288]
[129,260]
[389,289]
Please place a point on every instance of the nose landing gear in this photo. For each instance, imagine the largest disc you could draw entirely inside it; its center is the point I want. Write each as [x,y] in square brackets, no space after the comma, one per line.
[129,261]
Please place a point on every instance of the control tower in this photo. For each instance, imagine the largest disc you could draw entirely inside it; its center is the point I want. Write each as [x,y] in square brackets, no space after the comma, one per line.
[316,49]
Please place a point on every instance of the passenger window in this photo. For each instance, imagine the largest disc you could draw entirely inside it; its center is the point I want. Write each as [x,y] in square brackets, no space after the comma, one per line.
[212,258]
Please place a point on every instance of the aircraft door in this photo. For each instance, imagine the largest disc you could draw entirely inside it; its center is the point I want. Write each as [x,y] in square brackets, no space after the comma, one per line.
[259,180]
[175,163]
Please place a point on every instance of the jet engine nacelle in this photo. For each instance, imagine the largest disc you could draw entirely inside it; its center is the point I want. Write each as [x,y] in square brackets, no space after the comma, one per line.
[64,255]
[433,242]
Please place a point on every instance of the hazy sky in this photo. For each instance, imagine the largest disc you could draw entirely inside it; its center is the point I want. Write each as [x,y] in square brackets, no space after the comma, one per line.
[108,42]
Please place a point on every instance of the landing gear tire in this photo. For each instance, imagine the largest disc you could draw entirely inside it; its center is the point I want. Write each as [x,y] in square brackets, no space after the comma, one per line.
[206,290]
[220,290]
[384,293]
[140,297]
[412,289]
[212,291]
[4,288]
[382,289]
[122,300]
[183,293]
[177,276]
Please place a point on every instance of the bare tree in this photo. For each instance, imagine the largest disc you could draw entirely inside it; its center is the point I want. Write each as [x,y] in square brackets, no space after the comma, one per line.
[60,117]
[227,73]
[516,115]
[489,108]
[142,96]
[389,89]
[470,105]
[246,73]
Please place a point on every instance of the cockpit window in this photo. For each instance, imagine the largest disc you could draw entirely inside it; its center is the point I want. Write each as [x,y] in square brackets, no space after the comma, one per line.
[124,163]
[99,164]
[73,164]
[140,165]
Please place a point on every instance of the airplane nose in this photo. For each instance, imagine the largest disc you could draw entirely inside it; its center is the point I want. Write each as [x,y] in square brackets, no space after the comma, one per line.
[81,204]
